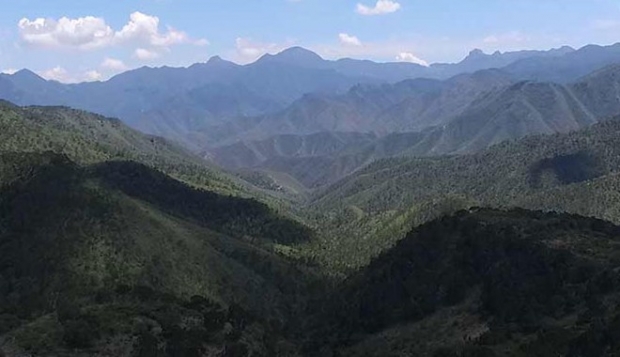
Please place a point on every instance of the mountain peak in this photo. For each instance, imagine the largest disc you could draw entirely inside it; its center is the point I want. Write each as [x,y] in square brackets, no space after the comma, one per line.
[215,59]
[295,55]
[26,74]
[476,53]
[297,51]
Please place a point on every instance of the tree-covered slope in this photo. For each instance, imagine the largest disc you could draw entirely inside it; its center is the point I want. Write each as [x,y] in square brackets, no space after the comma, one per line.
[119,243]
[89,138]
[574,172]
[108,253]
[486,283]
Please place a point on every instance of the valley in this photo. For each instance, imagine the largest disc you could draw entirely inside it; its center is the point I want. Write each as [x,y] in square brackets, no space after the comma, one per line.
[301,206]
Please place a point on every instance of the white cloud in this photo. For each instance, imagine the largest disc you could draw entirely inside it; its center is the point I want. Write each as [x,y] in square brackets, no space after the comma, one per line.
[93,75]
[84,33]
[90,32]
[382,7]
[411,58]
[349,40]
[145,55]
[144,30]
[113,64]
[62,75]
[403,50]
[249,50]
[9,71]
[57,74]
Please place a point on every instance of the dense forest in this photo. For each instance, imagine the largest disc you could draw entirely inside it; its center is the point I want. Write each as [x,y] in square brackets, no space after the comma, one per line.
[486,283]
[87,250]
[114,243]
[370,210]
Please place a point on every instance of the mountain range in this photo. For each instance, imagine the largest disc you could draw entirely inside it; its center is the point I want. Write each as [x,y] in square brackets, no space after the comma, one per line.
[302,207]
[177,102]
[464,114]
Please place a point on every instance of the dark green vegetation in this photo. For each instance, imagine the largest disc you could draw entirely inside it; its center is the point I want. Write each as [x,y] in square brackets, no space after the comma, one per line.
[107,269]
[121,258]
[115,243]
[487,283]
[89,138]
[368,211]
[103,251]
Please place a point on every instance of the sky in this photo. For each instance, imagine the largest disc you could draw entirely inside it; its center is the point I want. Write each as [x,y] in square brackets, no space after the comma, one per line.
[86,40]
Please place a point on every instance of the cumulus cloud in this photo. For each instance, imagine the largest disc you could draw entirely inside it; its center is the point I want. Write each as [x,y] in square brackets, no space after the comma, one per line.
[93,32]
[8,71]
[349,40]
[144,29]
[113,64]
[411,58]
[57,74]
[62,75]
[145,55]
[84,33]
[382,7]
[93,75]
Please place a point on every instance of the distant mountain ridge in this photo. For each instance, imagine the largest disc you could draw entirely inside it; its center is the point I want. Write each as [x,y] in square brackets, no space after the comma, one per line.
[230,113]
[170,102]
[464,114]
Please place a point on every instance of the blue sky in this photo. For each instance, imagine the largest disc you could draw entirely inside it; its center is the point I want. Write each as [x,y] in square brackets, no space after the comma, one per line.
[75,40]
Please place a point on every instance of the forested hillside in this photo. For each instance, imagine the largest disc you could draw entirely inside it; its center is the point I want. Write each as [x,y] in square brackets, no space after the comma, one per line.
[89,138]
[369,178]
[95,256]
[105,251]
[485,283]
[575,172]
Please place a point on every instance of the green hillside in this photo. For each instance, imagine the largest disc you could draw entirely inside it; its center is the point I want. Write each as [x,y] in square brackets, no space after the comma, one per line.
[118,242]
[113,243]
[89,138]
[485,283]
[363,213]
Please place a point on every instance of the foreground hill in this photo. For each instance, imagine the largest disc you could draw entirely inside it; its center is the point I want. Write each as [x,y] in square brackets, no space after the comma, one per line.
[117,259]
[486,283]
[95,256]
[104,253]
